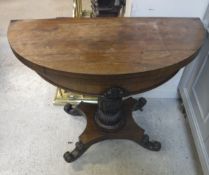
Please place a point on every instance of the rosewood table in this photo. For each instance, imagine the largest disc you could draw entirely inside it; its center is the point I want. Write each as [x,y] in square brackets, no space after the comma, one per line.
[110,58]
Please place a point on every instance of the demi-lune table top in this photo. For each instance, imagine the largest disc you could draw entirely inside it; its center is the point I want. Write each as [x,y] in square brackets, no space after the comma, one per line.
[91,55]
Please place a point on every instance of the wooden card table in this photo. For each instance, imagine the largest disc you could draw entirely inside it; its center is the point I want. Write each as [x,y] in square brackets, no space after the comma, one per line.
[110,58]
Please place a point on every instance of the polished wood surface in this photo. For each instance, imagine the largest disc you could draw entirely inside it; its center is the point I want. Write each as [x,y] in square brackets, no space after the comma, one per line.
[92,55]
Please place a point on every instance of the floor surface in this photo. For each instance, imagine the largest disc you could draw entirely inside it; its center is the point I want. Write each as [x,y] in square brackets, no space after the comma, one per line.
[34,134]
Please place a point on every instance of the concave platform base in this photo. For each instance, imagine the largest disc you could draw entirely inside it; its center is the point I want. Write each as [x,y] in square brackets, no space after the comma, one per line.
[95,133]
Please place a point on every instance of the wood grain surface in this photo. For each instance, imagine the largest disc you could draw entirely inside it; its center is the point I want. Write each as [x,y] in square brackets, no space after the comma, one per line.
[91,55]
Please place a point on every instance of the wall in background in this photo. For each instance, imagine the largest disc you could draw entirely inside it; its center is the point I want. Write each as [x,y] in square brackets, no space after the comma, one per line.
[167,8]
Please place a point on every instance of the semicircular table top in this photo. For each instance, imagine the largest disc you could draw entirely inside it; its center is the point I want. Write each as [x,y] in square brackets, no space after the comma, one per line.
[91,55]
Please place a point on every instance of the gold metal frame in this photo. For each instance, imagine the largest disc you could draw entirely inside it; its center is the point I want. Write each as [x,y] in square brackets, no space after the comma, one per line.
[77,8]
[62,97]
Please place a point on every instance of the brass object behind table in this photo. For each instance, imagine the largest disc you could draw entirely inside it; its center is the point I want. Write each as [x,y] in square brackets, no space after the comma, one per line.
[79,11]
[88,9]
[63,96]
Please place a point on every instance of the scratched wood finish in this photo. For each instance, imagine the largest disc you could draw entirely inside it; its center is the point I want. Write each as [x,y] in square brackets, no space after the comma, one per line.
[92,55]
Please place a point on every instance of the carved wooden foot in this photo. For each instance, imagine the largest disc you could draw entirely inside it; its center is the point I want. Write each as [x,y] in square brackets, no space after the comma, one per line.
[76,153]
[150,145]
[72,111]
[94,133]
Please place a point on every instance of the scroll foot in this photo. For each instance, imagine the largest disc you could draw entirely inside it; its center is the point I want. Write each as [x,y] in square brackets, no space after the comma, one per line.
[140,103]
[72,111]
[150,145]
[76,153]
